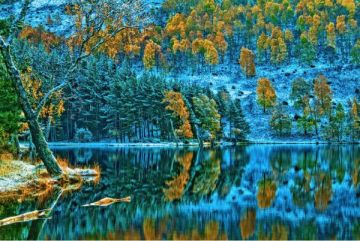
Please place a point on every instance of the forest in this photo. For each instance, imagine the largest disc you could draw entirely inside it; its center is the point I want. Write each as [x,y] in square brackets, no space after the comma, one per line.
[186,110]
[128,83]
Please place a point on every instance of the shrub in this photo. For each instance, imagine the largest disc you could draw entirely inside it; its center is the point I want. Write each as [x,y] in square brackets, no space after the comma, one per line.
[83,135]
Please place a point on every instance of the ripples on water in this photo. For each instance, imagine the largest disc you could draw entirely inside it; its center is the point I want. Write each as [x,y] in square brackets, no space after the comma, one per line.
[248,192]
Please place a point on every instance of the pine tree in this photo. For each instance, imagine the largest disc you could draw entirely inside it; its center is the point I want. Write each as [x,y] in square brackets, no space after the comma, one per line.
[9,109]
[280,122]
[305,50]
[223,99]
[355,53]
[239,128]
[335,128]
[300,93]
[300,89]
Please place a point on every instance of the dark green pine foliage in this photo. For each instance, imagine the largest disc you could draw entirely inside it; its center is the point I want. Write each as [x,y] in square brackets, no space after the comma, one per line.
[90,96]
[334,131]
[119,115]
[239,128]
[281,122]
[222,99]
[134,108]
[9,108]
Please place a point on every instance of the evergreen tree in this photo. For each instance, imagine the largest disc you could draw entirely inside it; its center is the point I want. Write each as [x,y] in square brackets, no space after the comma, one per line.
[9,109]
[239,128]
[335,128]
[353,123]
[306,50]
[281,122]
[207,113]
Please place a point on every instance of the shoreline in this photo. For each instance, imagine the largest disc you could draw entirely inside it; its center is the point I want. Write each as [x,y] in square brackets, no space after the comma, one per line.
[181,144]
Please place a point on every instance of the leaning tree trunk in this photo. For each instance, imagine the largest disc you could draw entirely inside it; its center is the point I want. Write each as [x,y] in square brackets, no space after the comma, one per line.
[41,146]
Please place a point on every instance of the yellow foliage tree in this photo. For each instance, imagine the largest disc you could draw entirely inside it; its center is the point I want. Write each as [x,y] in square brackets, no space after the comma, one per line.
[330,35]
[152,50]
[323,193]
[266,93]
[175,103]
[247,224]
[206,47]
[278,46]
[266,193]
[176,186]
[150,230]
[341,24]
[247,62]
[39,35]
[323,95]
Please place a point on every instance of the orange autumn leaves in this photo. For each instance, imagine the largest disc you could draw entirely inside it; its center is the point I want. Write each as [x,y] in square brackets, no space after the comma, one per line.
[33,86]
[39,35]
[266,193]
[176,105]
[161,230]
[176,186]
[248,223]
[266,93]
[247,62]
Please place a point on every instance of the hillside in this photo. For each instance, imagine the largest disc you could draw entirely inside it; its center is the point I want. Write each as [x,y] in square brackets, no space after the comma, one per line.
[344,81]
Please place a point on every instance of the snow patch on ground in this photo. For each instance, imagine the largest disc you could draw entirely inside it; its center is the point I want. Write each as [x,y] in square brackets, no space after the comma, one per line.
[23,174]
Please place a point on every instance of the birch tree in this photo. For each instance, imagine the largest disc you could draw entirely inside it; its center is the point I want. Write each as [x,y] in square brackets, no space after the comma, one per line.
[96,25]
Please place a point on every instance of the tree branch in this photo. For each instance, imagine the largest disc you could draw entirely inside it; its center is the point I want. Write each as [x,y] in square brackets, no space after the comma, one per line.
[16,23]
[47,96]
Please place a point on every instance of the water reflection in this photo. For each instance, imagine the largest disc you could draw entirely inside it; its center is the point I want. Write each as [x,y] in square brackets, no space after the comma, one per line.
[249,192]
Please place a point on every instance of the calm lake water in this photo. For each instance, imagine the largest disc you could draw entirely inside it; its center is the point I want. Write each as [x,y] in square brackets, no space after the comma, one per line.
[248,192]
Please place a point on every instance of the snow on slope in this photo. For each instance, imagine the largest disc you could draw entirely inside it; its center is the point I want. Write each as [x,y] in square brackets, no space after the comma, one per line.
[344,81]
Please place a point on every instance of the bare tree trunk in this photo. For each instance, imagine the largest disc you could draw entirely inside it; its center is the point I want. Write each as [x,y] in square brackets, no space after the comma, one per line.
[37,135]
[48,128]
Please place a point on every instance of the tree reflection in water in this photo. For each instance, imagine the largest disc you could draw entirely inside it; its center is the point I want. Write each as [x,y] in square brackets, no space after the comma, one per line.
[308,192]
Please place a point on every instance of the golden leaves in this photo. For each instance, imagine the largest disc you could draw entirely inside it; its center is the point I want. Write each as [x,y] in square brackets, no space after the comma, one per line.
[206,47]
[40,36]
[277,46]
[340,24]
[266,193]
[323,93]
[175,104]
[247,62]
[177,185]
[149,230]
[152,50]
[266,93]
[323,193]
[247,223]
[330,34]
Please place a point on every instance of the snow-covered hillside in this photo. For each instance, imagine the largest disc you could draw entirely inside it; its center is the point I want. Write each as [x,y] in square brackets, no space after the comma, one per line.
[344,81]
